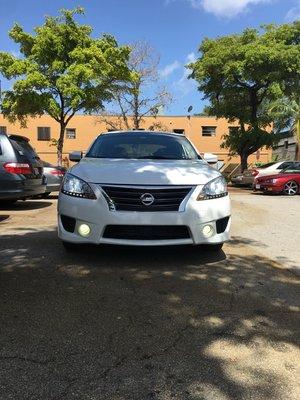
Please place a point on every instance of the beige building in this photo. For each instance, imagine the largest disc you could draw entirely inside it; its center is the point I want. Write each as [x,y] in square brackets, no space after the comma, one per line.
[205,133]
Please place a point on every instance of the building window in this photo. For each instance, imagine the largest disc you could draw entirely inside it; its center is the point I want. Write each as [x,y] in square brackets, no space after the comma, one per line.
[181,131]
[3,129]
[43,133]
[209,130]
[70,133]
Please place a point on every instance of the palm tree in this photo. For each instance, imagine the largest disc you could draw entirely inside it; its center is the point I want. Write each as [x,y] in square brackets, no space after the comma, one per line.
[286,112]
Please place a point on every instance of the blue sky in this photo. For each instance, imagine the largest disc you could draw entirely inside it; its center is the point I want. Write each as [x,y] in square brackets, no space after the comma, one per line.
[174,28]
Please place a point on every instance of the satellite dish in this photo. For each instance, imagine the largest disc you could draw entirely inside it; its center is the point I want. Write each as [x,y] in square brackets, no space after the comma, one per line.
[190,109]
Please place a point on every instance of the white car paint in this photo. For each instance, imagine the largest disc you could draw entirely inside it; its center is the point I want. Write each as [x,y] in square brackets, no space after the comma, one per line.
[141,172]
[145,175]
[272,169]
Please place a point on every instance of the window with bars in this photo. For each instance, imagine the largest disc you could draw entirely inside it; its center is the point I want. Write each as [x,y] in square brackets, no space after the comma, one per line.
[3,129]
[209,130]
[70,133]
[43,133]
[181,131]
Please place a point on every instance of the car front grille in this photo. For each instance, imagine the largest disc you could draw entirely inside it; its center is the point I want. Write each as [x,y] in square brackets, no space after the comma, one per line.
[146,232]
[166,198]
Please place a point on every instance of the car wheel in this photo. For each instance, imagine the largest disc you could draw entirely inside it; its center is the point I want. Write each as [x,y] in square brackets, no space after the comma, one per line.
[213,247]
[70,247]
[290,188]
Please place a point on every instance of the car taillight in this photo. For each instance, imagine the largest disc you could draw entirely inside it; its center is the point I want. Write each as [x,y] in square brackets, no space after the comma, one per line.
[18,168]
[57,172]
[254,172]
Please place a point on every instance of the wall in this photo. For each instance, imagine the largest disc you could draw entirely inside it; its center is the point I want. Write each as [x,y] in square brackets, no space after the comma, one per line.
[88,127]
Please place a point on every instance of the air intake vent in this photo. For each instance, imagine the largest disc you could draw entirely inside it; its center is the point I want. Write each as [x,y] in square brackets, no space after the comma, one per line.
[146,232]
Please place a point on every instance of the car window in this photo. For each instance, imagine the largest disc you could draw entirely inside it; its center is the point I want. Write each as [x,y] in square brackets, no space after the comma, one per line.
[23,148]
[284,165]
[142,146]
[292,169]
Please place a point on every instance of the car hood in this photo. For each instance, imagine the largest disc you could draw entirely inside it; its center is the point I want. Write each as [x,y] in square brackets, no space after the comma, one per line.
[144,172]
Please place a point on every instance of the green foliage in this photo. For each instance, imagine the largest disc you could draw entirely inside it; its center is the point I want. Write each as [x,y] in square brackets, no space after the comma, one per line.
[62,70]
[247,141]
[286,113]
[241,74]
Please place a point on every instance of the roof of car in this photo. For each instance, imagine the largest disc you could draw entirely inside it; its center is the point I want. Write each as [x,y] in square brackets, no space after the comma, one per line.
[18,137]
[143,131]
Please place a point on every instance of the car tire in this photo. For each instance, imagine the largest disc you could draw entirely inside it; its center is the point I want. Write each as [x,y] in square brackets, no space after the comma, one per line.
[291,188]
[70,247]
[213,247]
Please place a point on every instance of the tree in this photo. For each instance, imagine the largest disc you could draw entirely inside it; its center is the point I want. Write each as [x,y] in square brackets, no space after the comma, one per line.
[286,113]
[141,96]
[241,74]
[62,70]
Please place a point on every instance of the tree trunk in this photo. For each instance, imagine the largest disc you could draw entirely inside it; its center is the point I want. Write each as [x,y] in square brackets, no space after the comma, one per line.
[244,161]
[60,143]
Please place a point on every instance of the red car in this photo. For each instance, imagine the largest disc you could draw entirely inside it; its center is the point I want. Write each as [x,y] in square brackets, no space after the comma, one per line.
[287,182]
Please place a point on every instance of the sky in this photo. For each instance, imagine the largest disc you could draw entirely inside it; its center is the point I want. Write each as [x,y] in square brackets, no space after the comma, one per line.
[174,28]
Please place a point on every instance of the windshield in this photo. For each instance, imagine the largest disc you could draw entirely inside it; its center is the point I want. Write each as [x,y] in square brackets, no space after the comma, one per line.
[292,169]
[144,145]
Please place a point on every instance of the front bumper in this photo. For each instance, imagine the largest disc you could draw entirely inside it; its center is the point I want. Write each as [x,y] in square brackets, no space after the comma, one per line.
[267,188]
[97,215]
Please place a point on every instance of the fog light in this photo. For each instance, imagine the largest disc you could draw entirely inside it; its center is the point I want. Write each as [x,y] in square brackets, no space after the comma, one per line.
[207,231]
[84,230]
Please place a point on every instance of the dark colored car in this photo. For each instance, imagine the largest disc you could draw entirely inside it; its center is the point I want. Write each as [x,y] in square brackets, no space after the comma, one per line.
[54,175]
[21,170]
[245,178]
[287,182]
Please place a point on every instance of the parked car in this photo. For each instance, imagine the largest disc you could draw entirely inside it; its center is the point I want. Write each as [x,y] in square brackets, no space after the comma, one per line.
[21,170]
[287,182]
[271,168]
[54,175]
[247,177]
[143,188]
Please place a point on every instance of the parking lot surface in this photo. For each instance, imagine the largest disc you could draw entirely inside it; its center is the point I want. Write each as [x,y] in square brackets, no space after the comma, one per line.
[151,323]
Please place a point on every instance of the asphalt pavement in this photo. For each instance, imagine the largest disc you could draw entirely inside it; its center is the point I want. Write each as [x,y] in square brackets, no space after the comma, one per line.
[151,323]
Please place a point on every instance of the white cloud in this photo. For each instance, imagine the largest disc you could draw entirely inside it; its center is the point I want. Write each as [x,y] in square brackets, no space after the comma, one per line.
[223,8]
[293,14]
[183,84]
[169,69]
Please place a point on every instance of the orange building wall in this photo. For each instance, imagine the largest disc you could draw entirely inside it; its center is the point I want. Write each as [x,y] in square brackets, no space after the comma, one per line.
[89,126]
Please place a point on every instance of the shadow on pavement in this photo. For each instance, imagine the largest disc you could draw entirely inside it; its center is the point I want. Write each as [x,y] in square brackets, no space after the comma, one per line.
[144,323]
[21,205]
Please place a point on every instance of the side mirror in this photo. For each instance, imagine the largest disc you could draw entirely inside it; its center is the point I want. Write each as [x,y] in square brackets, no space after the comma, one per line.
[75,156]
[210,158]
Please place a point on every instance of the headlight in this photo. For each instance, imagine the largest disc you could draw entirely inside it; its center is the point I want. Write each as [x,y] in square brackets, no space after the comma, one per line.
[214,189]
[73,186]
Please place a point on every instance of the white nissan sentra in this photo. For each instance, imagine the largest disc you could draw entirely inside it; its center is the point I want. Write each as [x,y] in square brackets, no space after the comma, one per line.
[143,188]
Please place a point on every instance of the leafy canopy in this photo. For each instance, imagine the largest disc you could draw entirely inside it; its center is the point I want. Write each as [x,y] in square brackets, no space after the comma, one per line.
[62,70]
[242,74]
